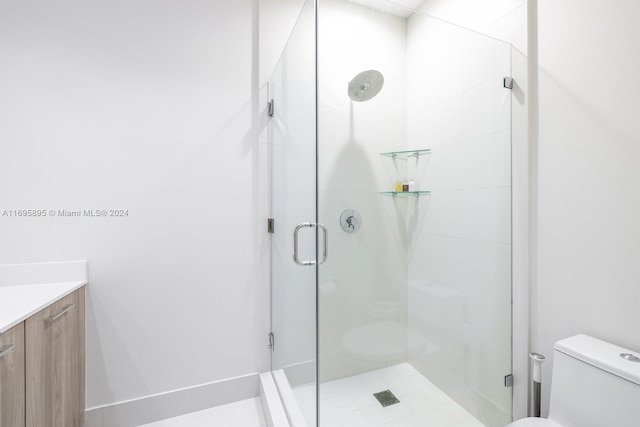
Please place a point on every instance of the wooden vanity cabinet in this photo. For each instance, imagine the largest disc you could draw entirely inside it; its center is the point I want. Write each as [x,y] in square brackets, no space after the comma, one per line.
[55,364]
[12,381]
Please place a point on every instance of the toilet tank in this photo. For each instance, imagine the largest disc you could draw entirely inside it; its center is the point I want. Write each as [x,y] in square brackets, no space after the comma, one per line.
[593,386]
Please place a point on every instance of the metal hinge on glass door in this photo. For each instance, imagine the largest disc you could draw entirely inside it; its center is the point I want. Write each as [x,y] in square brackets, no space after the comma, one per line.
[508,380]
[271,108]
[272,341]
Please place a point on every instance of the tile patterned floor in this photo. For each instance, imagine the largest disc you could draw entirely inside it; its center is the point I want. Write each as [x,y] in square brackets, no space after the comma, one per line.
[349,402]
[244,413]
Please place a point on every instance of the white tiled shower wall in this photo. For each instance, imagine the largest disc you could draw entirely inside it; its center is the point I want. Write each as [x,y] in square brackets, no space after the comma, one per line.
[507,20]
[460,252]
[368,265]
[469,172]
[504,20]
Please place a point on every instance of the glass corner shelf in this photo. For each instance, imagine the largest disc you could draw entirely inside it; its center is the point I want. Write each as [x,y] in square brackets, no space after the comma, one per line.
[404,193]
[406,154]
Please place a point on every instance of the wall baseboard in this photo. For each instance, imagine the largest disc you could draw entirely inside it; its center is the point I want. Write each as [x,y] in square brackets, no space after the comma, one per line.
[158,407]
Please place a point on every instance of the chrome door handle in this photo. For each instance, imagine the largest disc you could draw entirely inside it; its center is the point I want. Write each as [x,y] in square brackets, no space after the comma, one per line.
[296,259]
[64,311]
[6,349]
[325,239]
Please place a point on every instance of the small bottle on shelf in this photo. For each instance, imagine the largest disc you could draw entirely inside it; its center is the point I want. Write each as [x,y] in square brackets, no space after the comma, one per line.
[405,185]
[412,185]
[398,188]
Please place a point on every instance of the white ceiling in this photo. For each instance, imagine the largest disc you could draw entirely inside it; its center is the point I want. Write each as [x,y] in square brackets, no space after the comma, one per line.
[395,7]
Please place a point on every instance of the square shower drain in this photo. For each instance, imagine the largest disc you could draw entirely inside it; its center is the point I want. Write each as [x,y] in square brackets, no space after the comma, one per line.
[386,398]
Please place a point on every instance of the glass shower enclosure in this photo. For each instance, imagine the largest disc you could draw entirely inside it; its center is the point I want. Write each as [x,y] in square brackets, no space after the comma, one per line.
[390,157]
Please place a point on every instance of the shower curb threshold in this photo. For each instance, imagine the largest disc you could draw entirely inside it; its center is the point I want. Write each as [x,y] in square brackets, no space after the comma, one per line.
[288,400]
[274,412]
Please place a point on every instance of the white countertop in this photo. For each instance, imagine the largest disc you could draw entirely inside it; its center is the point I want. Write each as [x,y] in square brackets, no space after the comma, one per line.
[19,302]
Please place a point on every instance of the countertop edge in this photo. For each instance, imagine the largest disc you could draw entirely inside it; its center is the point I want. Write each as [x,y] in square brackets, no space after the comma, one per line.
[73,286]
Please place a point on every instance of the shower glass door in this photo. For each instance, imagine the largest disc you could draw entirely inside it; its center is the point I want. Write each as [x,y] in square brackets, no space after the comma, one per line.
[293,205]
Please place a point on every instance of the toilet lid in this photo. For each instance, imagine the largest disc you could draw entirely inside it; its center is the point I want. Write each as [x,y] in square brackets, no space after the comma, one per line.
[534,422]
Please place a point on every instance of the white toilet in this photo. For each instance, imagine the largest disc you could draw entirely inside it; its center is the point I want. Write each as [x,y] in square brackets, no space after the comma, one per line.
[594,384]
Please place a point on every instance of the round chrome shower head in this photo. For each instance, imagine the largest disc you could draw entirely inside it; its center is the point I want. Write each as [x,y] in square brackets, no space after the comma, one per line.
[365,85]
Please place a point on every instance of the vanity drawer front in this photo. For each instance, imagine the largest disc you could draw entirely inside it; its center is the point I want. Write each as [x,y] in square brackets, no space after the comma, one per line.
[12,382]
[55,364]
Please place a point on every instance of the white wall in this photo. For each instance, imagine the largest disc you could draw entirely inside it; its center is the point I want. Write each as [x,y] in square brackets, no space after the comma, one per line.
[277,19]
[507,20]
[588,175]
[146,106]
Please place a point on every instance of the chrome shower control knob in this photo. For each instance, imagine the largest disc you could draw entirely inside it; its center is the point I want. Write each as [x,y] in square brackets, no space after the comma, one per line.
[350,220]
